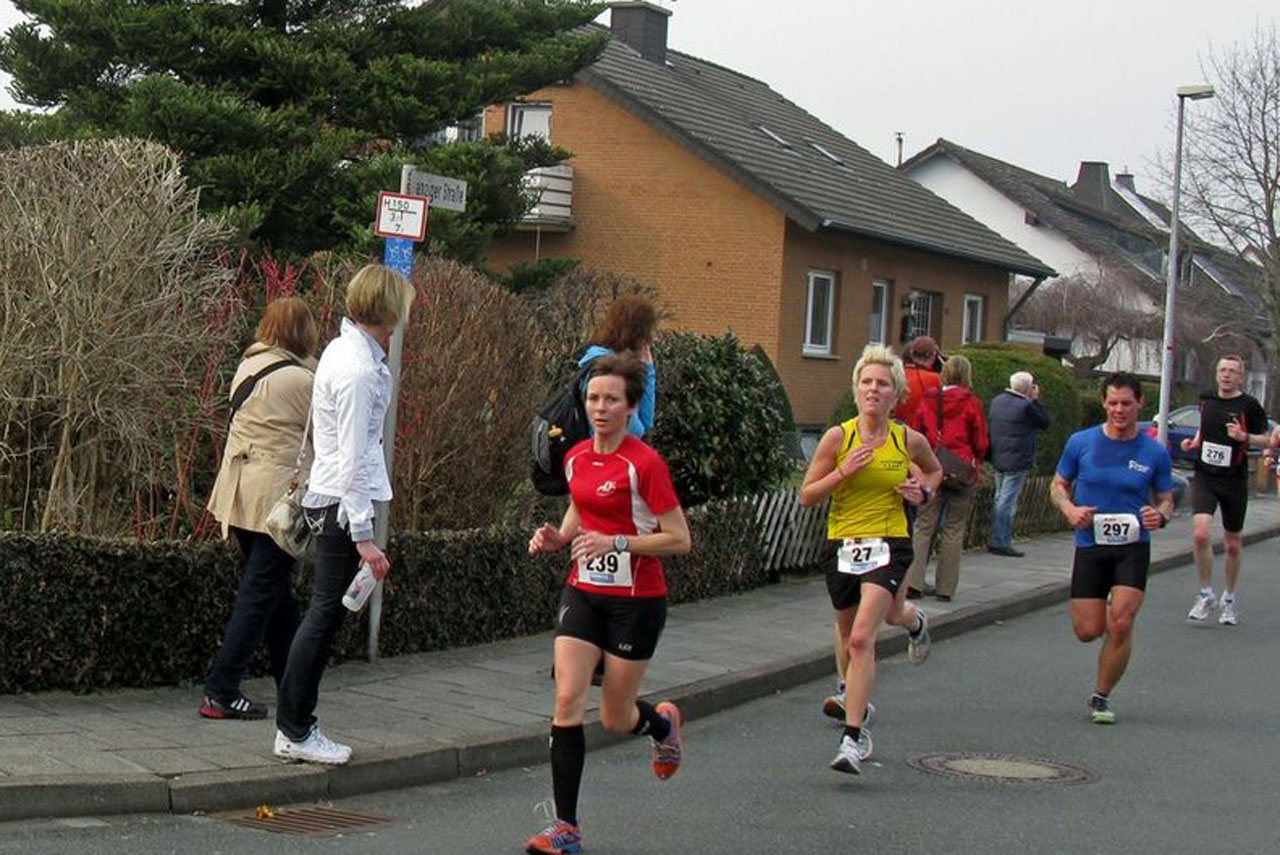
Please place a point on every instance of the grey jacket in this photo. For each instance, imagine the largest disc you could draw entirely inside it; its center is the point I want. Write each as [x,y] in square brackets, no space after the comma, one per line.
[1013,420]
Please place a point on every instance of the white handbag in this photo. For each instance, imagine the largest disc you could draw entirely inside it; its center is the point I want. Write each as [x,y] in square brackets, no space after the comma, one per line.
[286,523]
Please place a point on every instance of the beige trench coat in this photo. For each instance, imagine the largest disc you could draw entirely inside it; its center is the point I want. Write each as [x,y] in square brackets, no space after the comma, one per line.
[262,446]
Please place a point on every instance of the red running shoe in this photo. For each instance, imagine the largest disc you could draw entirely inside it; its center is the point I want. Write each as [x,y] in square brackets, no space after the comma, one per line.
[559,838]
[667,753]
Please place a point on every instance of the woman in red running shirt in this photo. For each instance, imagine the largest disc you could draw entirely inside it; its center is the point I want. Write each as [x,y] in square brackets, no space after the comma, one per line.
[623,514]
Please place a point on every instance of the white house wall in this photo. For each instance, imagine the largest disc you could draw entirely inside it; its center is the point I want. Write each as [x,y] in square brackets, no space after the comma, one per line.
[997,212]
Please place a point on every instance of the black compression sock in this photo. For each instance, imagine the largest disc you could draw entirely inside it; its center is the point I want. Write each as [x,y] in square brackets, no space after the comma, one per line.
[854,733]
[568,755]
[651,722]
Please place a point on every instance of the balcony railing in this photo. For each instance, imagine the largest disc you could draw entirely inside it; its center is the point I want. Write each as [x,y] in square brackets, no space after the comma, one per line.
[554,208]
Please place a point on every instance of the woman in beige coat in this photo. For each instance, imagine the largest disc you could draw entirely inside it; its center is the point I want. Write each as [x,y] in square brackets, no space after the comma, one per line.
[263,440]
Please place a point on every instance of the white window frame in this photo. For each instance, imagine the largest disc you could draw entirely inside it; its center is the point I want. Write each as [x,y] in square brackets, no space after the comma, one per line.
[812,278]
[518,108]
[880,333]
[973,303]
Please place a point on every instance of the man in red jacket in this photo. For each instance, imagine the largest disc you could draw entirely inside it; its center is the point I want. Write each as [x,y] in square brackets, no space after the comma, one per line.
[920,359]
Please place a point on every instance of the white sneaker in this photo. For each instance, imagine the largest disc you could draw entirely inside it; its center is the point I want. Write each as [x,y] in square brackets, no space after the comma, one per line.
[1203,605]
[1227,615]
[316,748]
[851,754]
[918,645]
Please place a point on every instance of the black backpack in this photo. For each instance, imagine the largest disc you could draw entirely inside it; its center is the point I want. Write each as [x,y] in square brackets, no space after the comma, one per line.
[559,426]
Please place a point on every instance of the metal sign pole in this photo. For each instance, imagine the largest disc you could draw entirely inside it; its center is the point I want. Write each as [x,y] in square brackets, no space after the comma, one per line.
[397,254]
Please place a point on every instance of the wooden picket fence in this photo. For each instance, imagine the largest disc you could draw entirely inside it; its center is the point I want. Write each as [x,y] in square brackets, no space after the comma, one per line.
[792,537]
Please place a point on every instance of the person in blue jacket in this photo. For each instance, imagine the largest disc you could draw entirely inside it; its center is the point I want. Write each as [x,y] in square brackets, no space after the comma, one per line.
[630,325]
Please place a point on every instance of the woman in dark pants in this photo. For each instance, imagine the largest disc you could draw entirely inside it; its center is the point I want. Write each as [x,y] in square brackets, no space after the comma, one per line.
[349,405]
[263,442]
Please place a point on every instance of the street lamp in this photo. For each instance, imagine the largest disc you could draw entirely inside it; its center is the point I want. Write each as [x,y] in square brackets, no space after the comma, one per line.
[1195,93]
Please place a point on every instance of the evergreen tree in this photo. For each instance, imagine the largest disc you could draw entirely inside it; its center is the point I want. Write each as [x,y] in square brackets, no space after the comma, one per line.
[292,114]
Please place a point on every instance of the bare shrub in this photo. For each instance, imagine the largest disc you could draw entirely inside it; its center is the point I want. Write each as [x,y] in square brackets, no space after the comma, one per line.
[469,379]
[108,281]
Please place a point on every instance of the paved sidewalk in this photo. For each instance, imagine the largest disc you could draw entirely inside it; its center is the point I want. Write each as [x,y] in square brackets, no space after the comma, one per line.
[436,716]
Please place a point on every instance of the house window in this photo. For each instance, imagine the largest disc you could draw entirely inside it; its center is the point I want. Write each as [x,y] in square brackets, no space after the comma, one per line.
[819,305]
[974,309]
[922,315]
[879,312]
[529,120]
[470,129]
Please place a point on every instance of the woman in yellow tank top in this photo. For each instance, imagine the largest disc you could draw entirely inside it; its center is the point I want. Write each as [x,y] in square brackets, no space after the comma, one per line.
[869,466]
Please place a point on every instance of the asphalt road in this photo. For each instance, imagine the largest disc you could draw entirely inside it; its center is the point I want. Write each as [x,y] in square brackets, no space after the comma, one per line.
[1193,766]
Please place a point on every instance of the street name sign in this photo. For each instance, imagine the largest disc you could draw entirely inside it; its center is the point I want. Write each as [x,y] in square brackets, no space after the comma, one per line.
[447,193]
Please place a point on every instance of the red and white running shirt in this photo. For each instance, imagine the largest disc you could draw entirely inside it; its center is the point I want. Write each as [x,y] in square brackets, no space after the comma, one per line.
[621,493]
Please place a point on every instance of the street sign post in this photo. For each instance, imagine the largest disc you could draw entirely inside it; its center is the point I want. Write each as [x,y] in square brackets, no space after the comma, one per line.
[402,220]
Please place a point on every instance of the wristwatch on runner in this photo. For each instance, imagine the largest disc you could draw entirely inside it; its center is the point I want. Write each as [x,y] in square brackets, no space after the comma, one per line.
[620,543]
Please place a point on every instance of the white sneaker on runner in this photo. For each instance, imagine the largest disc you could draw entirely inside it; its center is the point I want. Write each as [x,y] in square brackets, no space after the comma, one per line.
[1227,615]
[316,748]
[851,754]
[1203,605]
[919,644]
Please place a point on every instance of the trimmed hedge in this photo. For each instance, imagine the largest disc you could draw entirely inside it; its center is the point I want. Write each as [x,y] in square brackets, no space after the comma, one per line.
[88,613]
[993,363]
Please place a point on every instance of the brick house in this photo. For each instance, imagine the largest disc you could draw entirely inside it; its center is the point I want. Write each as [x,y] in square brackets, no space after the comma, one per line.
[749,214]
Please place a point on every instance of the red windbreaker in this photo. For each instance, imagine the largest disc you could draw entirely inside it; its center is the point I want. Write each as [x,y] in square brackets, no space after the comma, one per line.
[964,425]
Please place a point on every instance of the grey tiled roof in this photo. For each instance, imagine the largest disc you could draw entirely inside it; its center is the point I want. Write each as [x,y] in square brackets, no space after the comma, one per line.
[719,114]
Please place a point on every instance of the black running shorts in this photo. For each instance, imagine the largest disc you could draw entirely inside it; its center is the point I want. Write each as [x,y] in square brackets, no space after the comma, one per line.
[1210,491]
[845,589]
[1098,569]
[627,627]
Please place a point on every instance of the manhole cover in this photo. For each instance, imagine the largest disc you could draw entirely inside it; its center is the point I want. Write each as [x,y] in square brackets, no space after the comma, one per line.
[316,821]
[1000,768]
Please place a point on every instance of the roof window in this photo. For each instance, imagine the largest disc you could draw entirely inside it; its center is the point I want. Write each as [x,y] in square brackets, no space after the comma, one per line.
[822,151]
[764,129]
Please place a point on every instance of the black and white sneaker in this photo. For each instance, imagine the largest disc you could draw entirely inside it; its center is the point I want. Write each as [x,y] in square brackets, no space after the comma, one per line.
[241,708]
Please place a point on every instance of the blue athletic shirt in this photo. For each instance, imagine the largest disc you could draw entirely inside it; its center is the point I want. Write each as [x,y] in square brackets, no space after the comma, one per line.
[1114,476]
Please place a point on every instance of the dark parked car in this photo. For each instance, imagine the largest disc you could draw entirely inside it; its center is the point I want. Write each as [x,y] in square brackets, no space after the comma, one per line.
[1184,422]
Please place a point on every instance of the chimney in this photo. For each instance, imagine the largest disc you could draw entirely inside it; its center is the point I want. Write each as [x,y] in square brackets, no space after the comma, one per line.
[1093,184]
[642,26]
[1125,180]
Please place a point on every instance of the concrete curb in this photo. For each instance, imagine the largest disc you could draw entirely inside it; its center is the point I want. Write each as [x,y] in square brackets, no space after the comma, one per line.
[388,769]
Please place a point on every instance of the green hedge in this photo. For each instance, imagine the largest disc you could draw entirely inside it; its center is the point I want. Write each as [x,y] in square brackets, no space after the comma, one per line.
[87,613]
[723,423]
[993,363]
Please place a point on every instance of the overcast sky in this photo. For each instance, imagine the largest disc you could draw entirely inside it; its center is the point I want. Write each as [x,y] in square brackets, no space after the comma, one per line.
[1040,84]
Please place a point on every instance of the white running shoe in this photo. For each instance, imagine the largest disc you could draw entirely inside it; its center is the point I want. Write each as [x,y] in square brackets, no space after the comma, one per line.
[1203,605]
[316,748]
[851,754]
[918,645]
[1227,615]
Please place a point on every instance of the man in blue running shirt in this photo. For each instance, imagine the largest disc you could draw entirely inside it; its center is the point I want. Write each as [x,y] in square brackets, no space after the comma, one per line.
[1114,485]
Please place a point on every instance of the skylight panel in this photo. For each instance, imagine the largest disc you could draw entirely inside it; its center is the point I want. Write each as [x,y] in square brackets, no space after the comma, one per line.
[764,129]
[822,151]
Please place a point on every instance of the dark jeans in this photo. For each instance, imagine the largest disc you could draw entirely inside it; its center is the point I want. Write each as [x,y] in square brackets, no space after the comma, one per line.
[336,563]
[264,608]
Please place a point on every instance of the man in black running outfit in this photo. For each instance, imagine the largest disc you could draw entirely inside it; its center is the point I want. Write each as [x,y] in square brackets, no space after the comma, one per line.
[1230,422]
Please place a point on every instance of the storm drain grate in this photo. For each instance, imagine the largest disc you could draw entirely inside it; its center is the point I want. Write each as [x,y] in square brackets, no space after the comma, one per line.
[319,821]
[1000,768]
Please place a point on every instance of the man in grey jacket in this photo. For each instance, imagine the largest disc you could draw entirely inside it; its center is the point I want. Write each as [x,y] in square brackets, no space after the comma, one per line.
[1013,419]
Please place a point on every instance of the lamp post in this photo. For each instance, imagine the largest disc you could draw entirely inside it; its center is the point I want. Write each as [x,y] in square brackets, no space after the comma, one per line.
[1195,93]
